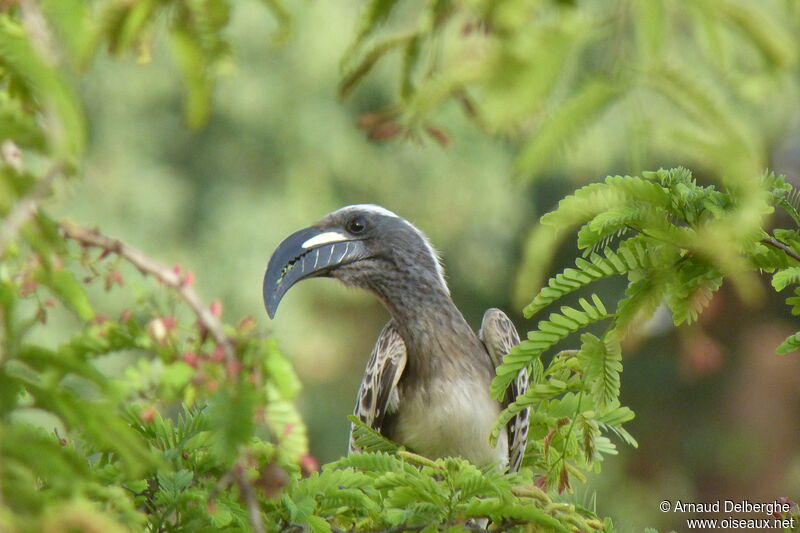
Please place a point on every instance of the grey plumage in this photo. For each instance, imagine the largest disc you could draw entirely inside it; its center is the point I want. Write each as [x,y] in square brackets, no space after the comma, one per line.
[426,384]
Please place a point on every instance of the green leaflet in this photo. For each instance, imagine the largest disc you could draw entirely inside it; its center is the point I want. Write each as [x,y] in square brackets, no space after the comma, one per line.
[369,440]
[18,125]
[54,97]
[786,277]
[189,55]
[630,256]
[286,424]
[601,360]
[565,123]
[548,333]
[790,344]
[69,290]
[231,414]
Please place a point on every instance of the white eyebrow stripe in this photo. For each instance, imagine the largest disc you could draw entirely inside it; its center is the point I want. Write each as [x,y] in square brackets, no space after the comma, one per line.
[372,208]
[324,238]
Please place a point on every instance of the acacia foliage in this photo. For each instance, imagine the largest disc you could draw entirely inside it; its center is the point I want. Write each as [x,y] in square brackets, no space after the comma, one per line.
[675,242]
[161,418]
[125,402]
[706,82]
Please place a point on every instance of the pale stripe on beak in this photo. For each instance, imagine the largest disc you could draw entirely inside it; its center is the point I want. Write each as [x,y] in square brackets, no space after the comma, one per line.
[324,238]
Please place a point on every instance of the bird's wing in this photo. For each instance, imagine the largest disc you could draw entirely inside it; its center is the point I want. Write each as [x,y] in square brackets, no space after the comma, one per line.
[378,395]
[499,335]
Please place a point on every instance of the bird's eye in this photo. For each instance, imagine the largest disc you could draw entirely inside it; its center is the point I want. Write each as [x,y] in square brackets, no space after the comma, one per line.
[356,225]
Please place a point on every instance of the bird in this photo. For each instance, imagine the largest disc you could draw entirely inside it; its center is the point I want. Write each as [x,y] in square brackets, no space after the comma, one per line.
[426,384]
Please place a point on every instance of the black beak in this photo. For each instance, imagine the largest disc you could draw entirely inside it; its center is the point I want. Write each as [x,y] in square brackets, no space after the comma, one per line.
[301,256]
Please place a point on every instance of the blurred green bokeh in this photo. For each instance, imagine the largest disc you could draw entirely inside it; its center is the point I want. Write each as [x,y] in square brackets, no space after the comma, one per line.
[717,411]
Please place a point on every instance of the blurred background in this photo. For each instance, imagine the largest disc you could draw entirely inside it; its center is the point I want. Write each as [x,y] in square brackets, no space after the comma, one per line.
[718,413]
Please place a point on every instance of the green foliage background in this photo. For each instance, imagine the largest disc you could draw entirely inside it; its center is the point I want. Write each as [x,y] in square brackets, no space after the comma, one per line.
[532,99]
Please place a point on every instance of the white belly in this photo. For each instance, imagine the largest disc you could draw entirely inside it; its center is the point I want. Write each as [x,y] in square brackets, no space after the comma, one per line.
[451,419]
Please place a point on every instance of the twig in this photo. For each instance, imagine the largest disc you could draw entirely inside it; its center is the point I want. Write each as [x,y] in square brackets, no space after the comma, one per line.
[26,207]
[782,247]
[250,497]
[167,276]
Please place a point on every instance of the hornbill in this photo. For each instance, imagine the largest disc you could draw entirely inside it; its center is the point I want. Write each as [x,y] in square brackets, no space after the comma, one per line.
[426,385]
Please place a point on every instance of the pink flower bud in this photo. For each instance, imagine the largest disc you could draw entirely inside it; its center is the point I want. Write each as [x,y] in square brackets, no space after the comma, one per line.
[219,354]
[148,414]
[216,308]
[190,358]
[308,464]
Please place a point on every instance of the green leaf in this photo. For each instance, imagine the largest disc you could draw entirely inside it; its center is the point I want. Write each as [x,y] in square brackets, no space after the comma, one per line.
[785,277]
[370,58]
[540,340]
[19,125]
[601,360]
[70,18]
[631,256]
[68,289]
[189,55]
[369,440]
[790,344]
[55,98]
[280,370]
[285,422]
[231,417]
[176,376]
[564,123]
[318,524]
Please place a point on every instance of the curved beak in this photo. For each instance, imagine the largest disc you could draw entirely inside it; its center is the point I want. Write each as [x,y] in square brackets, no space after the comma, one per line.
[305,254]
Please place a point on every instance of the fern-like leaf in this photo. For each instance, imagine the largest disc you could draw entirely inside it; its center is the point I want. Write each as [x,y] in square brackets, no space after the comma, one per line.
[791,344]
[369,440]
[601,360]
[631,255]
[548,333]
[785,277]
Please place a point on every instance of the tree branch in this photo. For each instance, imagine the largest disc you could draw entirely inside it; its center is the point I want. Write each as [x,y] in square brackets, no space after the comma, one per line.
[167,276]
[775,243]
[250,497]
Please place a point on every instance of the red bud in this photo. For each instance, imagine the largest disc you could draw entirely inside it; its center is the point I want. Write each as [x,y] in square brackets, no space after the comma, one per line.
[148,414]
[219,354]
[308,464]
[190,358]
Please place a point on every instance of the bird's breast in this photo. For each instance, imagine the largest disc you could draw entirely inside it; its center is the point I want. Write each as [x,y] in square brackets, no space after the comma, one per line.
[454,417]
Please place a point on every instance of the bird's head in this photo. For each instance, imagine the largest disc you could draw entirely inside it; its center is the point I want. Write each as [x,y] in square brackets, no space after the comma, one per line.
[361,245]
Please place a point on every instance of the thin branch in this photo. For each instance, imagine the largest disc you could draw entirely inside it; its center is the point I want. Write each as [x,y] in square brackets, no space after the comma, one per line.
[250,497]
[772,241]
[167,276]
[26,207]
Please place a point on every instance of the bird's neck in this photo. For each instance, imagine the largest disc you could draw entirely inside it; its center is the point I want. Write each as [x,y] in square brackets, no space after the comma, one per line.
[434,331]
